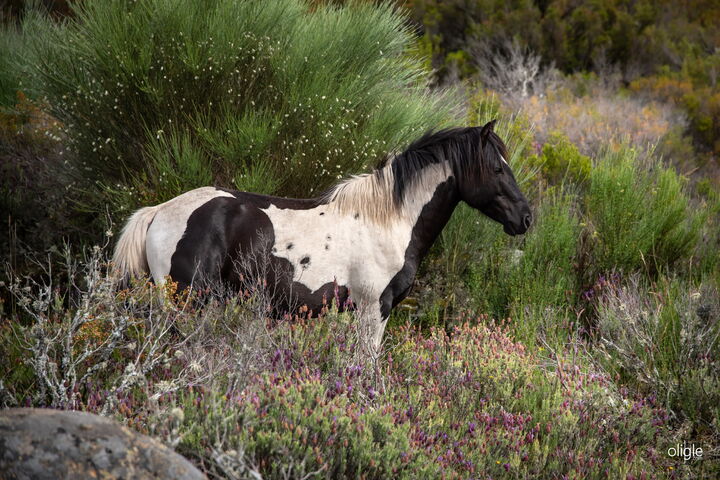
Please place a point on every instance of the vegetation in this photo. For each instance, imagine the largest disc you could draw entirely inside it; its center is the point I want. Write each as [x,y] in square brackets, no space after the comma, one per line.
[299,398]
[583,349]
[663,49]
[157,97]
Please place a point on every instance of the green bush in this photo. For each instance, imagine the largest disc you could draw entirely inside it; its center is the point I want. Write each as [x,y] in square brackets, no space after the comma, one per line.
[11,46]
[560,161]
[639,215]
[159,96]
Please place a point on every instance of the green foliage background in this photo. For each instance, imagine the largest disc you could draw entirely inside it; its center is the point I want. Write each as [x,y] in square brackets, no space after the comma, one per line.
[159,97]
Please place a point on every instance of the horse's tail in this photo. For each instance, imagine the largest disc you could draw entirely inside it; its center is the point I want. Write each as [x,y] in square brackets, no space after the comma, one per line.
[130,258]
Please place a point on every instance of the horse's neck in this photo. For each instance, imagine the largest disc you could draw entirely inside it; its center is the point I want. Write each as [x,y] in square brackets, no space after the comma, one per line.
[431,215]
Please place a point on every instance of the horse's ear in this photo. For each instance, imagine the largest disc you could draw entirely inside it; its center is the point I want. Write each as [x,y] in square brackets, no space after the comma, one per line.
[487,129]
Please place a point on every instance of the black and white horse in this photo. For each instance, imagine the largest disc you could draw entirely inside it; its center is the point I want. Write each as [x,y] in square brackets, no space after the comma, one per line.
[365,237]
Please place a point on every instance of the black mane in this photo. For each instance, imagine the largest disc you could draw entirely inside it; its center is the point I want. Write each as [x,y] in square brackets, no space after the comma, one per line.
[466,149]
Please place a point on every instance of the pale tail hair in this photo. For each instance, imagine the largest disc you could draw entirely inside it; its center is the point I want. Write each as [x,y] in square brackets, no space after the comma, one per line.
[130,258]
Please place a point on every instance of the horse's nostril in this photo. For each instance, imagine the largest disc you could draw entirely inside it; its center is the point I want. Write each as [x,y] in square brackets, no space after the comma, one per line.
[527,220]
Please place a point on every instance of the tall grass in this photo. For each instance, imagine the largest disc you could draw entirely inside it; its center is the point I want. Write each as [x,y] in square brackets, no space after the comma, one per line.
[543,286]
[246,89]
[9,80]
[11,48]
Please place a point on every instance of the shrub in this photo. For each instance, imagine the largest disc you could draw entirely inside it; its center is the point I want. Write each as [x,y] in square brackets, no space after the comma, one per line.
[639,214]
[543,287]
[600,117]
[9,82]
[453,406]
[158,96]
[560,160]
[666,343]
[694,91]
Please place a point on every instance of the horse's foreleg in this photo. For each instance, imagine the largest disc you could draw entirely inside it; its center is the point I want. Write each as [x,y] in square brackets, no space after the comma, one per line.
[371,328]
[378,331]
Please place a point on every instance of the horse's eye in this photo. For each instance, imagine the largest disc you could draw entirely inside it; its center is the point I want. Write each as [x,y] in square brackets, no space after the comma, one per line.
[498,170]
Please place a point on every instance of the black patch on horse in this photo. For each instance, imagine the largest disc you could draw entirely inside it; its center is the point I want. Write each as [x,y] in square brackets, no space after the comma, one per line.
[224,231]
[433,217]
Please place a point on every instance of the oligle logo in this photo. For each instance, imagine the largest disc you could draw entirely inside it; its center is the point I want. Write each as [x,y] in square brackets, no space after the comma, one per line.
[687,452]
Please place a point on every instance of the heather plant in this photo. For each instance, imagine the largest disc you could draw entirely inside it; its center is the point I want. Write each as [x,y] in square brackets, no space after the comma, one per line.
[155,95]
[474,402]
[243,395]
[666,343]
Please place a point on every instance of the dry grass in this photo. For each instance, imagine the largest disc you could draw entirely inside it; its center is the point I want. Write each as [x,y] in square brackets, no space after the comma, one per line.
[601,118]
[591,110]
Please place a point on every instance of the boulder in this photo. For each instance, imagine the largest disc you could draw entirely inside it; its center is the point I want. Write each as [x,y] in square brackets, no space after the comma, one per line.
[55,444]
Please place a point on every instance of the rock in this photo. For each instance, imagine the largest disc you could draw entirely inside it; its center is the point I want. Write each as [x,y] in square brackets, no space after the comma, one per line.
[54,444]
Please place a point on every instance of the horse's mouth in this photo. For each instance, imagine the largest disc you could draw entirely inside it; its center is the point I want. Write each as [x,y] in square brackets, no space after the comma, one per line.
[514,230]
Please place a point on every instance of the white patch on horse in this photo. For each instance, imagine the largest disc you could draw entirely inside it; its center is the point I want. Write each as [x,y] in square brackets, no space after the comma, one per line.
[169,225]
[355,242]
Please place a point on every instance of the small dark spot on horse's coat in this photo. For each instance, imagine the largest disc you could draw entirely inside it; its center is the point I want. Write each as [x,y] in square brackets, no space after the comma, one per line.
[322,213]
[357,215]
[289,246]
[305,260]
[274,250]
[327,247]
[329,237]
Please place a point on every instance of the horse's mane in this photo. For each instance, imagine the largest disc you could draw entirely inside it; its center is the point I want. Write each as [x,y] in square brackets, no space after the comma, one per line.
[382,194]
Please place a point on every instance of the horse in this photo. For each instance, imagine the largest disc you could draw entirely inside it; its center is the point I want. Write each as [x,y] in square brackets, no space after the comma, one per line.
[360,243]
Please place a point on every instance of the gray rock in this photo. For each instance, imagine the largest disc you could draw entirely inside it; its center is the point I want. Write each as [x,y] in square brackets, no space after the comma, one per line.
[54,444]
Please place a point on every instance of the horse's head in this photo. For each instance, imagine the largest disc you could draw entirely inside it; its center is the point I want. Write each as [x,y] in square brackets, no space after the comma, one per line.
[490,186]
